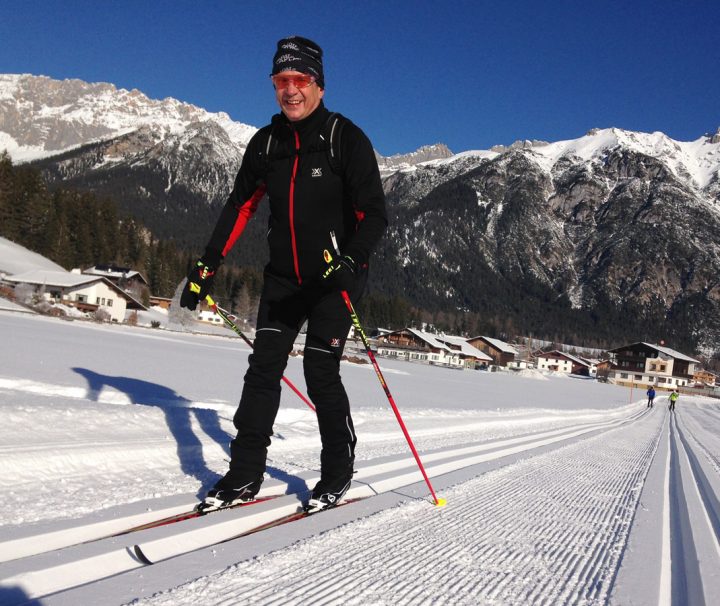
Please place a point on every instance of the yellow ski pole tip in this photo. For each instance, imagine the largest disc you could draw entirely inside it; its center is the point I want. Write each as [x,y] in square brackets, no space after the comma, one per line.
[441,503]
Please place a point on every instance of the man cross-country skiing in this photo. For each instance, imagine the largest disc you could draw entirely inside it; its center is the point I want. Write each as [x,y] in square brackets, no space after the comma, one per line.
[314,205]
[673,398]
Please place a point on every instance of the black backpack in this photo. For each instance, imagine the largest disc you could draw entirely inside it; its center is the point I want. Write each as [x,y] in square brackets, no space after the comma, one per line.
[330,137]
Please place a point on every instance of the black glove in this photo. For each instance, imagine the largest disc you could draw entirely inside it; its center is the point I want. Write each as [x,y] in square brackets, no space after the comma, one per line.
[340,273]
[199,283]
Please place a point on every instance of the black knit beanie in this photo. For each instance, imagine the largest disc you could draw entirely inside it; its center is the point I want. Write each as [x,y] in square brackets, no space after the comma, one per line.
[301,55]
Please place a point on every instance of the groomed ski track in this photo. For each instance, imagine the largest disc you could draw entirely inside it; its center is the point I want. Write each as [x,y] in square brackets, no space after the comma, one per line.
[554,517]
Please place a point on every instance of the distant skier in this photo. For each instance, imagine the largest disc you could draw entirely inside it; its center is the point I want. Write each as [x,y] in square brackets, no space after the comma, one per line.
[651,396]
[673,398]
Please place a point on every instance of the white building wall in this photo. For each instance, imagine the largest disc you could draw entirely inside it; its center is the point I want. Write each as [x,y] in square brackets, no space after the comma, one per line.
[98,293]
[547,363]
[102,295]
[645,379]
[440,358]
[209,316]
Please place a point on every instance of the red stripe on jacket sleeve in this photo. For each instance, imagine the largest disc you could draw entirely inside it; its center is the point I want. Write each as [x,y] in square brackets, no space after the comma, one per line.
[245,213]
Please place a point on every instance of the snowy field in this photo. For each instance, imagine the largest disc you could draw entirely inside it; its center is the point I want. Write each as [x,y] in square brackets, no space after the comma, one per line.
[559,490]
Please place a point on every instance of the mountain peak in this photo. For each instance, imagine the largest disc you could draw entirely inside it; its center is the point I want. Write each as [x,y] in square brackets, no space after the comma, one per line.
[696,162]
[44,117]
[426,153]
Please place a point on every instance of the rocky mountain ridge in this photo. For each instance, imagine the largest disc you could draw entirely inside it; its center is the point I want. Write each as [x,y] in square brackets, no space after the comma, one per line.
[615,219]
[41,117]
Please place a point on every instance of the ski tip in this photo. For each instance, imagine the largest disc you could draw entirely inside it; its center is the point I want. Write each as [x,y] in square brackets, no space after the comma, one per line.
[441,503]
[141,557]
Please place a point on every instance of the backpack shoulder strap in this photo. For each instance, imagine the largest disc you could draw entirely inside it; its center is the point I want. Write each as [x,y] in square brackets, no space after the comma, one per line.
[268,148]
[332,133]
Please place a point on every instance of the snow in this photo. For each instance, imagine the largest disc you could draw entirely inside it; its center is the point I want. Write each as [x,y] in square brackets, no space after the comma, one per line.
[16,259]
[559,490]
[9,85]
[131,415]
[698,159]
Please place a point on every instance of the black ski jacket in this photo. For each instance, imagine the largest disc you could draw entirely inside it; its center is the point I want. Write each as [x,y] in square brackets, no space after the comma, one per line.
[307,199]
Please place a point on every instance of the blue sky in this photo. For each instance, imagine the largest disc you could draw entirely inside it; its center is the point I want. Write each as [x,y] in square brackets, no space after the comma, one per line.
[468,74]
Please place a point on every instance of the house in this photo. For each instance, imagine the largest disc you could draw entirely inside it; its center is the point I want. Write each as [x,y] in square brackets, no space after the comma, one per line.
[208,315]
[416,345]
[594,363]
[648,364]
[162,302]
[560,361]
[85,292]
[705,377]
[130,280]
[501,353]
[603,370]
[520,364]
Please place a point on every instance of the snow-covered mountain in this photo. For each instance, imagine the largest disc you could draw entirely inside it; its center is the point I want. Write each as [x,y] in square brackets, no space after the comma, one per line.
[41,117]
[697,163]
[614,220]
[390,164]
[620,228]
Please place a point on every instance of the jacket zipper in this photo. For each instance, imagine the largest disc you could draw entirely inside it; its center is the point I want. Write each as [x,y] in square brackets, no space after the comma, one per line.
[296,261]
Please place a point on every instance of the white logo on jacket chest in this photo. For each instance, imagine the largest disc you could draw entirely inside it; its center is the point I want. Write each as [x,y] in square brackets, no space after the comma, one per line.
[316,172]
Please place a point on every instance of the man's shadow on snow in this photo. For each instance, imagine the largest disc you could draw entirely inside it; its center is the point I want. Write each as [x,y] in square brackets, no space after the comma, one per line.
[179,414]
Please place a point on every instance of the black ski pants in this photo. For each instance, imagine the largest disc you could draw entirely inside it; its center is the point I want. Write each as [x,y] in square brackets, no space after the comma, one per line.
[284,307]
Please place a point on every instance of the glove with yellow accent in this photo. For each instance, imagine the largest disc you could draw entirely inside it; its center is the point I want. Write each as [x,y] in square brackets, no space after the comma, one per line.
[340,272]
[199,283]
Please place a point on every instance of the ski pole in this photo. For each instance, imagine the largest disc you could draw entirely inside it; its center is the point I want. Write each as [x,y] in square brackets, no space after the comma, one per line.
[234,327]
[378,372]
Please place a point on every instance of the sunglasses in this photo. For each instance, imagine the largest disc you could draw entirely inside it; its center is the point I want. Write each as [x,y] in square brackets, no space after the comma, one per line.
[301,81]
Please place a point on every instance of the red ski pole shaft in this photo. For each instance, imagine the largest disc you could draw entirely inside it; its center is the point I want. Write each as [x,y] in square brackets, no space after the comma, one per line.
[371,355]
[234,327]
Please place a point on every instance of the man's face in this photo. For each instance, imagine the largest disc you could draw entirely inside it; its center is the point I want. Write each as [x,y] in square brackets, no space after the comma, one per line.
[296,102]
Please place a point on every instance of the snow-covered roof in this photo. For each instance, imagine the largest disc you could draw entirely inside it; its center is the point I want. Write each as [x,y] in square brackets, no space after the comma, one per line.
[465,348]
[576,359]
[15,259]
[671,352]
[662,349]
[445,341]
[111,271]
[62,279]
[499,345]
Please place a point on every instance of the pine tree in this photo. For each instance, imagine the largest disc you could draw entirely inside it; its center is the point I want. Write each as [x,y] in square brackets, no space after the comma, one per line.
[7,188]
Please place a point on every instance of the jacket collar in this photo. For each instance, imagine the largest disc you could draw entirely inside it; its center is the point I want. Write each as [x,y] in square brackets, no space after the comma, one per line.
[311,123]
